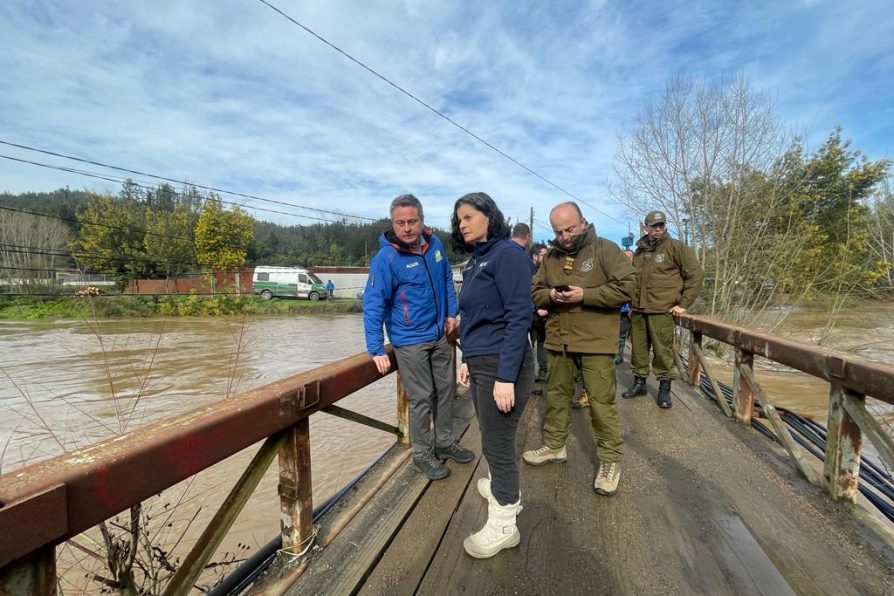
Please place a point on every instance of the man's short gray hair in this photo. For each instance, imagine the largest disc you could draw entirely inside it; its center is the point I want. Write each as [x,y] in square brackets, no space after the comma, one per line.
[407,201]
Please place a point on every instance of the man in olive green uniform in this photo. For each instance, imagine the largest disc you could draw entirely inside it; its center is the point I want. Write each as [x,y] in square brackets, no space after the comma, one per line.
[582,281]
[668,281]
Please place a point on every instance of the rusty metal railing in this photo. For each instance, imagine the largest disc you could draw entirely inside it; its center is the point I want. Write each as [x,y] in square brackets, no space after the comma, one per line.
[851,379]
[47,503]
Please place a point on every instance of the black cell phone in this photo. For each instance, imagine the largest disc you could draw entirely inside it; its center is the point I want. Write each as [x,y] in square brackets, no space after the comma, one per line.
[562,288]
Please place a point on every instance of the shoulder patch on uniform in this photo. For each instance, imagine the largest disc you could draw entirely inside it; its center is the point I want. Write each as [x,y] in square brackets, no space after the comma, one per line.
[586,265]
[438,256]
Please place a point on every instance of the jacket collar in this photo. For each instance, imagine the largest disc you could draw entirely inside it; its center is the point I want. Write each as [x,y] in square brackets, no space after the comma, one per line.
[402,246]
[645,243]
[482,248]
[581,240]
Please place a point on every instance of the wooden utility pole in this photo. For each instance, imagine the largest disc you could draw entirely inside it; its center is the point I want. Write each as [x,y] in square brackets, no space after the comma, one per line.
[531,225]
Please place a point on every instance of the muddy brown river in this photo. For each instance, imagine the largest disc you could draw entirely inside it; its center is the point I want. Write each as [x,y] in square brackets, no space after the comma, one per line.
[66,384]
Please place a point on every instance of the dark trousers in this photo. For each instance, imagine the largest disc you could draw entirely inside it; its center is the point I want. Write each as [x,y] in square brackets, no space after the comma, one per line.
[538,337]
[624,332]
[498,428]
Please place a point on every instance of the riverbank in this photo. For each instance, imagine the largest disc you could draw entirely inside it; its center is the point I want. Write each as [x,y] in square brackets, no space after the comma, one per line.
[125,306]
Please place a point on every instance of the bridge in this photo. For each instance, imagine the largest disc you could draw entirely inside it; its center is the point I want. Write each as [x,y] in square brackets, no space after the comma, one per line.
[706,504]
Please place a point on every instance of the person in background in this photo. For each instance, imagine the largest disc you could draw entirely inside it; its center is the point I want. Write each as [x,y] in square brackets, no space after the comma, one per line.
[498,367]
[668,280]
[584,280]
[410,292]
[624,328]
[330,290]
[521,234]
[538,322]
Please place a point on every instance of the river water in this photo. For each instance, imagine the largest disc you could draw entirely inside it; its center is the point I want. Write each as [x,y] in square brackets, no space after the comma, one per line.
[65,384]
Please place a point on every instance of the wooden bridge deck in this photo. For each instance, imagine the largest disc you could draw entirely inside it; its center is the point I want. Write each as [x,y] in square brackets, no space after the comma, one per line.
[705,506]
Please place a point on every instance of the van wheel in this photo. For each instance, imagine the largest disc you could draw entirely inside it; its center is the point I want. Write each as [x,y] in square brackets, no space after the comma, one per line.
[266,294]
[314,296]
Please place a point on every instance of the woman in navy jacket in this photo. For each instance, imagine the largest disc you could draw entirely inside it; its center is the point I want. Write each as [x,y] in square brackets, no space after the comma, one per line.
[495,314]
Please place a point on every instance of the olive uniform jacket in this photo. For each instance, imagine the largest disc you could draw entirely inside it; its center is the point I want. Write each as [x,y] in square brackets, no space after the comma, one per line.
[599,267]
[668,274]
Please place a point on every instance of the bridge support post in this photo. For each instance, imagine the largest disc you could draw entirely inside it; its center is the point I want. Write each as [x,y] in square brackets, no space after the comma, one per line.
[844,441]
[296,488]
[695,368]
[33,574]
[743,393]
[403,413]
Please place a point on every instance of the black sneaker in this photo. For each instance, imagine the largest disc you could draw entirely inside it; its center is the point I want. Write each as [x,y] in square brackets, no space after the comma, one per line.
[454,452]
[431,467]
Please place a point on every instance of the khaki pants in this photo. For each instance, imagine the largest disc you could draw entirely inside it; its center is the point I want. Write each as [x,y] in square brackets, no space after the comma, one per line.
[598,373]
[655,332]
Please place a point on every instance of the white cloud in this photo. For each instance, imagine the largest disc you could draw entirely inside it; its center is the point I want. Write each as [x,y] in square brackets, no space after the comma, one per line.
[230,94]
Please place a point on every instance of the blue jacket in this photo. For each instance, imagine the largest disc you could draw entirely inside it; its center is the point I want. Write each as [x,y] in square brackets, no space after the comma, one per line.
[495,305]
[411,294]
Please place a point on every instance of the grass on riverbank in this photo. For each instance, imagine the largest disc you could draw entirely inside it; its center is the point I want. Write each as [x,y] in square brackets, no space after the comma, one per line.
[73,307]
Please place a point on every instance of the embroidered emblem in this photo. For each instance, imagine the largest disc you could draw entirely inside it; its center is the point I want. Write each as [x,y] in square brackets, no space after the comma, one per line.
[586,265]
[438,256]
[413,264]
[659,258]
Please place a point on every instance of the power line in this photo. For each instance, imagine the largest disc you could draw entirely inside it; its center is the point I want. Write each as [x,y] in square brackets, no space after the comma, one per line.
[123,180]
[436,111]
[175,181]
[40,251]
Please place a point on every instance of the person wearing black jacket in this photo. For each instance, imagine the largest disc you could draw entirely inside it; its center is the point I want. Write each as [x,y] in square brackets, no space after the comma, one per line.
[498,367]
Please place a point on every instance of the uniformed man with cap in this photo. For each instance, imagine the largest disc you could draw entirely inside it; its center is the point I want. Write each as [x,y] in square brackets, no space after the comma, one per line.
[669,279]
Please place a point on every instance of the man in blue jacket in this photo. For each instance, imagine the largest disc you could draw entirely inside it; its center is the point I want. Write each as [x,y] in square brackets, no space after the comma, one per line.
[410,291]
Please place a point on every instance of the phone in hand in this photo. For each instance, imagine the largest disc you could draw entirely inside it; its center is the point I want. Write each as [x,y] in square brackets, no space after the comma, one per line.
[562,288]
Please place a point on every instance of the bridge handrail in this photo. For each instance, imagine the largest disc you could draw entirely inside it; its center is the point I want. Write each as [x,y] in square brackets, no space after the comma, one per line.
[850,378]
[51,501]
[859,375]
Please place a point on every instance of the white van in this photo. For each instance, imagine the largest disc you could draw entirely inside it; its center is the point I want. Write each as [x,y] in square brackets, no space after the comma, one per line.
[290,282]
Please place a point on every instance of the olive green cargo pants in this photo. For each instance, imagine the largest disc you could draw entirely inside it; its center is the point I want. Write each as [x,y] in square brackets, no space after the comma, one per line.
[598,373]
[655,331]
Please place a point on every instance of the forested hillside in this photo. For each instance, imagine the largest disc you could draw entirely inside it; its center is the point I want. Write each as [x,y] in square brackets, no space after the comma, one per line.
[156,232]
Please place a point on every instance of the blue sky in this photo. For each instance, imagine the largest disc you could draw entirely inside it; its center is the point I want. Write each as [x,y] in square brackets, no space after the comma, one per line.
[232,95]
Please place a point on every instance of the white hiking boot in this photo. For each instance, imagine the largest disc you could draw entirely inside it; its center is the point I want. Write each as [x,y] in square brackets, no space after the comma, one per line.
[484,488]
[484,491]
[498,533]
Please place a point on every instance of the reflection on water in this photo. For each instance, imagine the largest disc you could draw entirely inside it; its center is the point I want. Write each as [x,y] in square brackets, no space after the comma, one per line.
[70,384]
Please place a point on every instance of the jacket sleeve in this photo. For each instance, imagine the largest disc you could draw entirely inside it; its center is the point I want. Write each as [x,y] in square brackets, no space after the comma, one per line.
[376,303]
[693,276]
[452,305]
[540,289]
[621,279]
[514,287]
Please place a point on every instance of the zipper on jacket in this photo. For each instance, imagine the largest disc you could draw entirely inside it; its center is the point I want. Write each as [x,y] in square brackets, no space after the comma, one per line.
[403,301]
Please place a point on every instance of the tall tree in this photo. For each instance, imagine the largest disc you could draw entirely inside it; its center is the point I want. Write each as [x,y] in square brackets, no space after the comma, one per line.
[222,236]
[111,237]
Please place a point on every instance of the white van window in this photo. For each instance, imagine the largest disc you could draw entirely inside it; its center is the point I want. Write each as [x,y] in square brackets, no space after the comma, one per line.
[263,277]
[303,278]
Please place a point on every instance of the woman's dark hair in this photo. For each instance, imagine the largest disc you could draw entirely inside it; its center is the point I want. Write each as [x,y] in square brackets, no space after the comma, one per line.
[496,224]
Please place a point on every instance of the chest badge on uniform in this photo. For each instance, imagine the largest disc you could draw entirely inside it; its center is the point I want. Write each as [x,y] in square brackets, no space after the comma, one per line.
[586,265]
[659,258]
